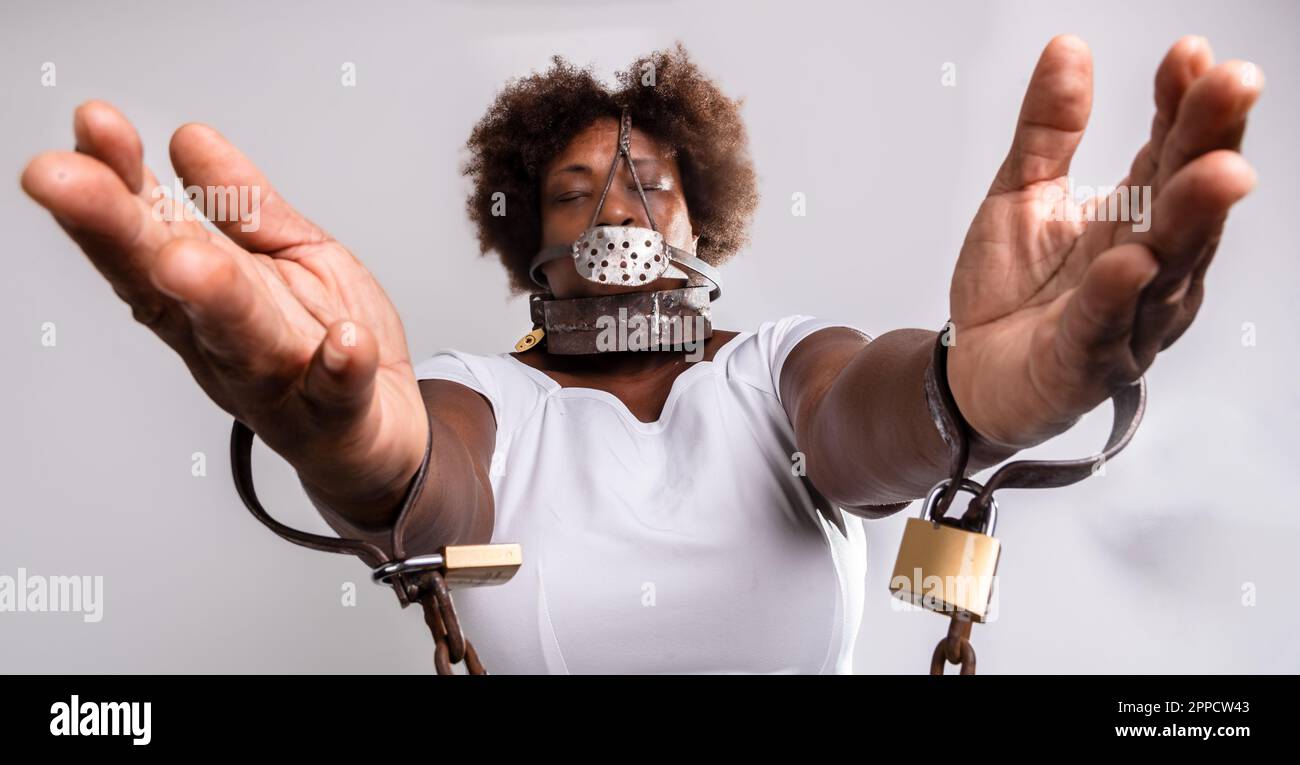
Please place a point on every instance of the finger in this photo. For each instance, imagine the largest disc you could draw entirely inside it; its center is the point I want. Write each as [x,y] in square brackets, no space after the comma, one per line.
[1098,320]
[1188,306]
[1189,214]
[1187,223]
[1186,61]
[1159,320]
[1052,117]
[234,319]
[340,380]
[105,134]
[203,158]
[112,226]
[1212,116]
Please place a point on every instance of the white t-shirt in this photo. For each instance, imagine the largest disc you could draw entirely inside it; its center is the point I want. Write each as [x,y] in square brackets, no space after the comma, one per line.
[686,545]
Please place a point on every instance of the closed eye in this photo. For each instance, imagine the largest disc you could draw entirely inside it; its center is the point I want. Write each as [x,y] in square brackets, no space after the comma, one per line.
[653,183]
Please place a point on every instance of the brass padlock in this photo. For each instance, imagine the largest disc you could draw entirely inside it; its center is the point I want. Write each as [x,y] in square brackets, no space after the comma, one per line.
[529,340]
[460,565]
[944,567]
[475,565]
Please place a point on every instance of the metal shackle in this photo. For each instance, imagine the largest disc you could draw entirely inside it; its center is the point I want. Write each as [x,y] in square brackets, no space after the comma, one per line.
[967,485]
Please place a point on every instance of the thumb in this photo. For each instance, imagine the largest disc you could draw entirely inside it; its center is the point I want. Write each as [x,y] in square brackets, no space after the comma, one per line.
[340,380]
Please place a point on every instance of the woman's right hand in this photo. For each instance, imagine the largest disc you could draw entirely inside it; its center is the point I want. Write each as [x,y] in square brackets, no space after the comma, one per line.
[281,326]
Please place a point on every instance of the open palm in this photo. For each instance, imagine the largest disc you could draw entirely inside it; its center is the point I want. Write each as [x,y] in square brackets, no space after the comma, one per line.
[1052,310]
[281,326]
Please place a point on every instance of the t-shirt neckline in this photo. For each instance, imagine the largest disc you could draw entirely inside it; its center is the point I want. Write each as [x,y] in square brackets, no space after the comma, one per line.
[679,386]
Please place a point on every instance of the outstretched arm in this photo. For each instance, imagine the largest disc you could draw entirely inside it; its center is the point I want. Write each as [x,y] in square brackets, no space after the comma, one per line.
[862,421]
[281,325]
[1053,303]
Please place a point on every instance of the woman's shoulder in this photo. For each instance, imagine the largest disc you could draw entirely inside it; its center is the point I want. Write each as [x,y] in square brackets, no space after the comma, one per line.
[505,382]
[449,363]
[759,355]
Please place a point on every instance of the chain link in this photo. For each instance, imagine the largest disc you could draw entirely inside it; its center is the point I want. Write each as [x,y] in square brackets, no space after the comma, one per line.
[956,648]
[450,646]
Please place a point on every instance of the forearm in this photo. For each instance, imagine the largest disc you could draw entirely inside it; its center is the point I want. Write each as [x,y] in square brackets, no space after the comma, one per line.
[450,505]
[869,436]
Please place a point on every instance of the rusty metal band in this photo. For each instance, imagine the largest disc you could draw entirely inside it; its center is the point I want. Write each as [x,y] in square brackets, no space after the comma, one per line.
[576,325]
[623,153]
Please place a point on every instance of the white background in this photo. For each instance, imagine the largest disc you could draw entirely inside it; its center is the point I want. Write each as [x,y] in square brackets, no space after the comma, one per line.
[1141,570]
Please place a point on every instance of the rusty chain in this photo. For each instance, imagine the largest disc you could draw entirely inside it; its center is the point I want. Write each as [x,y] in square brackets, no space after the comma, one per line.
[426,586]
[450,646]
[956,648]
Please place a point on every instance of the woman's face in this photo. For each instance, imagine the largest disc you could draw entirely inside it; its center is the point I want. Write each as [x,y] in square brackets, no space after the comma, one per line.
[571,186]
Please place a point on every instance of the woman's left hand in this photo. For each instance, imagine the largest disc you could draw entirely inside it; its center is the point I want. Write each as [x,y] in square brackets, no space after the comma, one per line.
[1053,306]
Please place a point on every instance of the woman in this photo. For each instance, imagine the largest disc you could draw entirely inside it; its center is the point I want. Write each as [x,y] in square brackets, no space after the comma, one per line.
[675,516]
